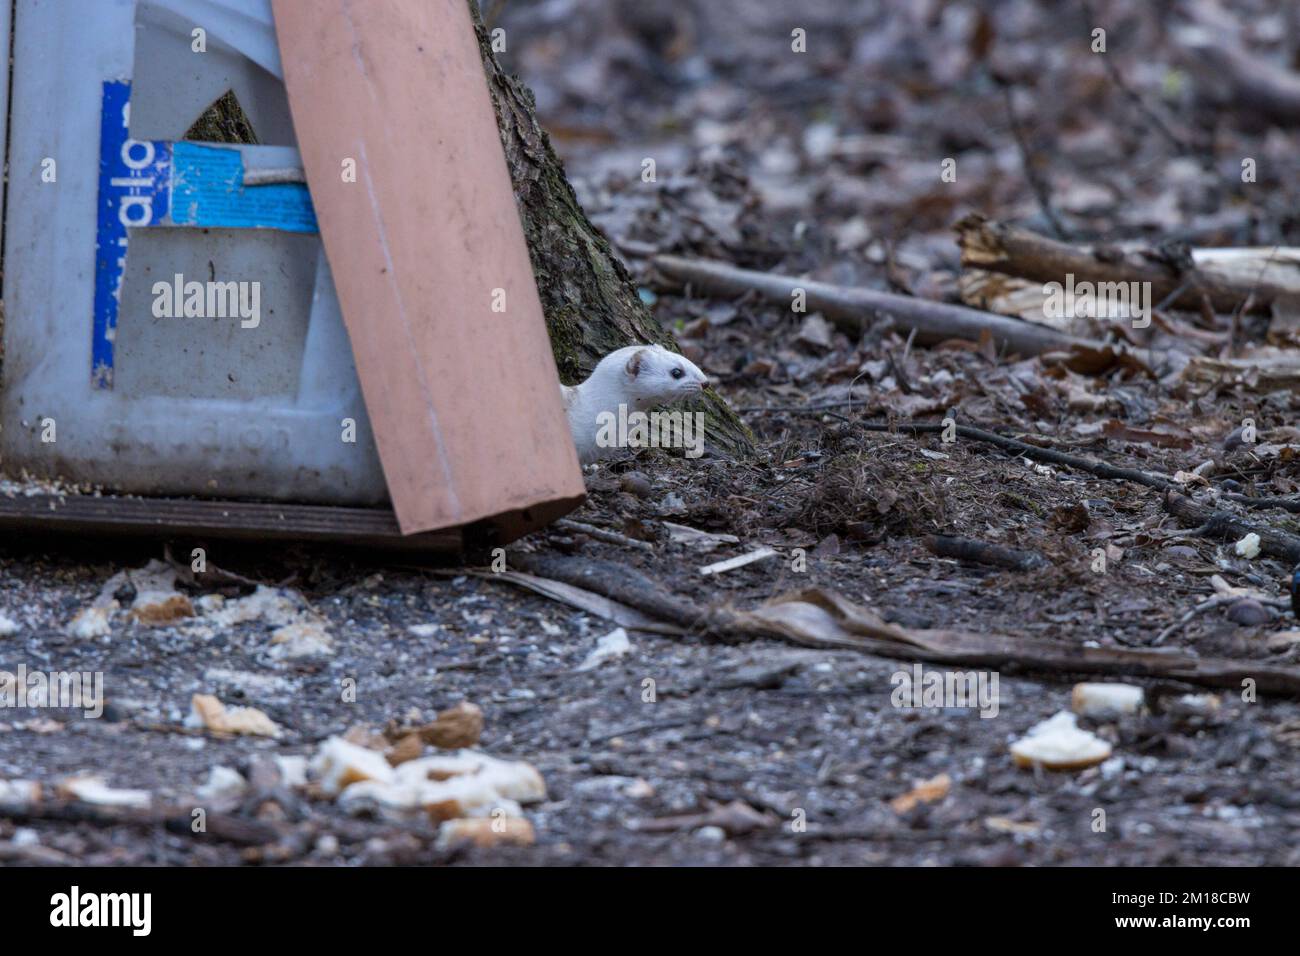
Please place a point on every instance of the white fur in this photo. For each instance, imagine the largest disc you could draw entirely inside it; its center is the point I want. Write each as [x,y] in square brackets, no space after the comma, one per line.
[619,380]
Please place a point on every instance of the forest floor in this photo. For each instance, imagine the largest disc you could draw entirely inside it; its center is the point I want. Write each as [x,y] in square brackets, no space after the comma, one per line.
[825,165]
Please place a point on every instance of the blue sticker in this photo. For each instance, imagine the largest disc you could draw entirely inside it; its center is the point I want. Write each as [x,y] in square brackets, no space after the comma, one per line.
[208,190]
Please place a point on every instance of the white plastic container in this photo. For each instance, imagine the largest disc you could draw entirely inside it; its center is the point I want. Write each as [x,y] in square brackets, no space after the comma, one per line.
[135,401]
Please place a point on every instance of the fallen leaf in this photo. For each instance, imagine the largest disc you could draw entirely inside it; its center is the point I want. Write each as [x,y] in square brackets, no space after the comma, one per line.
[453,728]
[927,791]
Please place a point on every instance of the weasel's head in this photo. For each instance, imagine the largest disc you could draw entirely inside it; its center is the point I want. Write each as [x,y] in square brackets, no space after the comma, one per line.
[652,375]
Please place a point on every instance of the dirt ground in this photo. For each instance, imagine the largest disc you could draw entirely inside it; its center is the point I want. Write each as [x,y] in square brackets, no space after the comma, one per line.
[824,164]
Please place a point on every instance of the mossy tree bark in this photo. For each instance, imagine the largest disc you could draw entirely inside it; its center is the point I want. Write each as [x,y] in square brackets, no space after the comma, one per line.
[591,303]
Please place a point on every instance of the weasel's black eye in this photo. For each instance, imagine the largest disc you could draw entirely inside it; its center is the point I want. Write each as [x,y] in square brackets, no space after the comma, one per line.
[678,372]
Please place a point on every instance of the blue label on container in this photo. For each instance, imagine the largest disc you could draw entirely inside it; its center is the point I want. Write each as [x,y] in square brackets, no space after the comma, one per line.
[134,190]
[145,183]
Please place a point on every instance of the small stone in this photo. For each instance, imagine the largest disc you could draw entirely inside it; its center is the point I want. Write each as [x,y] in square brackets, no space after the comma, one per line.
[711,834]
[639,789]
[1248,613]
[635,483]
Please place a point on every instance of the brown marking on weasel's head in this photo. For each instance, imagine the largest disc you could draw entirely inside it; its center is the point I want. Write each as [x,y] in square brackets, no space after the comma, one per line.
[656,375]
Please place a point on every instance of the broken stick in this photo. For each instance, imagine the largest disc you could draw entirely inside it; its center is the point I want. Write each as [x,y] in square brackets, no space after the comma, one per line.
[1219,524]
[1000,247]
[601,534]
[852,309]
[824,620]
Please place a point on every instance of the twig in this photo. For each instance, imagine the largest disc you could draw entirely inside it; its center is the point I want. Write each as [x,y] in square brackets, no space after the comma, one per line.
[1038,185]
[1099,468]
[852,309]
[601,534]
[1210,523]
[220,827]
[1216,600]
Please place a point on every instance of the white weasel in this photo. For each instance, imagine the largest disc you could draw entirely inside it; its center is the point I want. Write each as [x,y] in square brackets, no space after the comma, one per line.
[639,377]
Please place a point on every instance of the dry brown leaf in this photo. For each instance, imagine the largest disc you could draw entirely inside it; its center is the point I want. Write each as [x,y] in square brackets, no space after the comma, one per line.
[927,791]
[453,728]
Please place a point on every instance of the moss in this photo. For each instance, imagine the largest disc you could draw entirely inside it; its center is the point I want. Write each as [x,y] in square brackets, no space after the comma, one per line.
[223,122]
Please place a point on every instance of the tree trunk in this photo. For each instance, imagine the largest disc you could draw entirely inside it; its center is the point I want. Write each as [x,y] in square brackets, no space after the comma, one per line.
[591,302]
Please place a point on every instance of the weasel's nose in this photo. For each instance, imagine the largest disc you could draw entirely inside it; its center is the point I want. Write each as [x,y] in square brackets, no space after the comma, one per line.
[705,384]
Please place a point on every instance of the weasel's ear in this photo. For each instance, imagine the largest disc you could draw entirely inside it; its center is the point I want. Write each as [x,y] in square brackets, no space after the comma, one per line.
[634,363]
